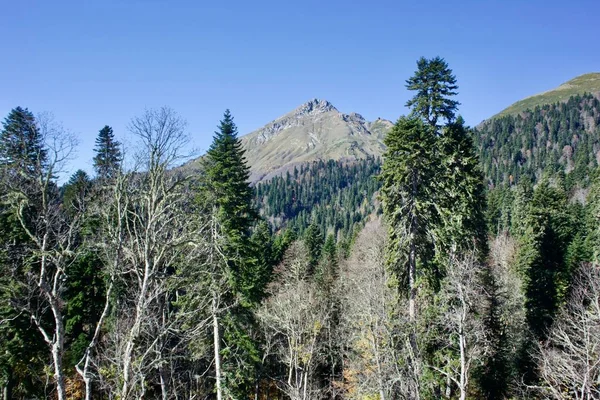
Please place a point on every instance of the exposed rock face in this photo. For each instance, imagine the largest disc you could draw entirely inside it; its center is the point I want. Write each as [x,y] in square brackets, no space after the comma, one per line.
[315,130]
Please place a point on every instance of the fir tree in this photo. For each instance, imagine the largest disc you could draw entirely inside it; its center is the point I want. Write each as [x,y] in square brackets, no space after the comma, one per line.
[107,161]
[22,160]
[435,85]
[409,195]
[229,195]
[22,152]
[76,190]
[313,238]
[463,204]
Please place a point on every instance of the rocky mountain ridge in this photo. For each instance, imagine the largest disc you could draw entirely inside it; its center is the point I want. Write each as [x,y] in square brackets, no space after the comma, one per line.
[316,130]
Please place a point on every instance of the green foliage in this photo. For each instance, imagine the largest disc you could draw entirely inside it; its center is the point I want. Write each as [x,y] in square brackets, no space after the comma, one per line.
[435,85]
[592,220]
[229,193]
[337,196]
[328,266]
[107,161]
[76,190]
[542,256]
[262,241]
[313,239]
[547,140]
[22,150]
[463,204]
[410,191]
[23,353]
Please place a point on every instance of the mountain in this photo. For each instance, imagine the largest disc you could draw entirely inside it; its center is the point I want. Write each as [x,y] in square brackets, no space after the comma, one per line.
[587,83]
[314,131]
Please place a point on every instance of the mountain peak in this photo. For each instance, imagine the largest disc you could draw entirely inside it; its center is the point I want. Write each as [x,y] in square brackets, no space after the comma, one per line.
[316,130]
[314,106]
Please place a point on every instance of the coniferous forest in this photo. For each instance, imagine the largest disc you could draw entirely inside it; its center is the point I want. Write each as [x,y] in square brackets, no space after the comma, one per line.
[463,264]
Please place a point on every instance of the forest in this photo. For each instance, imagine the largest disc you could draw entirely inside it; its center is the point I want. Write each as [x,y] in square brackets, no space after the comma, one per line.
[464,264]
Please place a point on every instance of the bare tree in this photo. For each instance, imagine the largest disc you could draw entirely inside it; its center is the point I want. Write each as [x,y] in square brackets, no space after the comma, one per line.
[569,360]
[374,353]
[111,206]
[293,318]
[157,234]
[511,304]
[460,302]
[36,204]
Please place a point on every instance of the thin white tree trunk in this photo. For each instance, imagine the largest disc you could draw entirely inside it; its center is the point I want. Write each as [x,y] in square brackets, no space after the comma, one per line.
[57,353]
[463,350]
[217,347]
[133,335]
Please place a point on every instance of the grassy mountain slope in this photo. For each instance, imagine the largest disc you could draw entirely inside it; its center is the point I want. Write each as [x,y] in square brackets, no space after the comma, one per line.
[314,131]
[587,83]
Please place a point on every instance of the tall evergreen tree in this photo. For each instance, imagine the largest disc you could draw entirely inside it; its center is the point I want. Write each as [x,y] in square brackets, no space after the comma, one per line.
[22,151]
[23,353]
[463,204]
[435,85]
[409,195]
[76,190]
[313,238]
[229,196]
[108,154]
[542,256]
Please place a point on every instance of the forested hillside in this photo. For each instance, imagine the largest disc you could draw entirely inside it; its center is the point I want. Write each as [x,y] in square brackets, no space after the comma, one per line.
[334,195]
[553,139]
[403,277]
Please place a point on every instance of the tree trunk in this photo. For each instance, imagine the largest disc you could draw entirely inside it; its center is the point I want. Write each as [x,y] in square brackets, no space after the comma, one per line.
[163,384]
[7,389]
[57,346]
[463,365]
[61,392]
[412,257]
[378,362]
[217,347]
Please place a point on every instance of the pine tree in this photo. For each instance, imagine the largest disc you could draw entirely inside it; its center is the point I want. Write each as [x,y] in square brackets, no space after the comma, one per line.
[85,289]
[435,85]
[108,157]
[328,266]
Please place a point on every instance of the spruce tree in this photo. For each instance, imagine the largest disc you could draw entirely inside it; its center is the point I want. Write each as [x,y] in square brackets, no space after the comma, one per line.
[542,256]
[108,154]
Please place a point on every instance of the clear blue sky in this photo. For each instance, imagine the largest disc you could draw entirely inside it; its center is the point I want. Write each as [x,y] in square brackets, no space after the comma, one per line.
[94,63]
